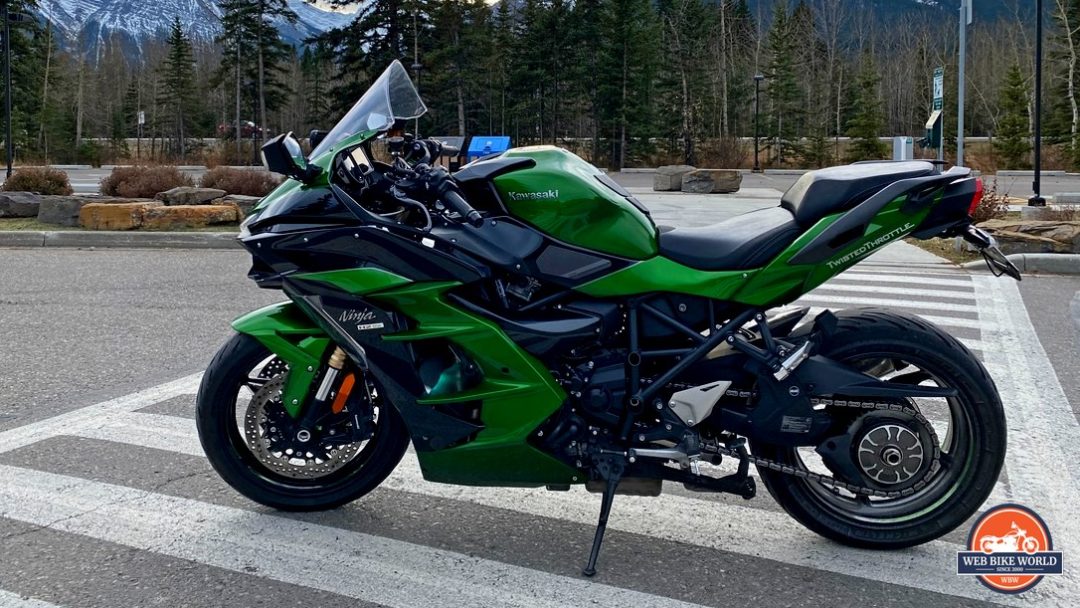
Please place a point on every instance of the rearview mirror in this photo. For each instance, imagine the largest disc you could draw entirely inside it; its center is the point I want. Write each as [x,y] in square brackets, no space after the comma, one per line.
[283,155]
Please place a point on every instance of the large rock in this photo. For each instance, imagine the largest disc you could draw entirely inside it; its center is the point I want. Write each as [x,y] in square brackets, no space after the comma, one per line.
[187,195]
[19,204]
[711,181]
[1035,236]
[669,177]
[61,210]
[114,216]
[189,216]
[64,210]
[244,203]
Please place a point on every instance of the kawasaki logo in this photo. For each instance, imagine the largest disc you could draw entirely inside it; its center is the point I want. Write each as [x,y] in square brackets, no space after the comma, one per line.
[546,195]
[871,245]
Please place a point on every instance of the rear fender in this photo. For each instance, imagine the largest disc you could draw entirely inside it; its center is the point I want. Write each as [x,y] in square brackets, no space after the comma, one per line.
[295,339]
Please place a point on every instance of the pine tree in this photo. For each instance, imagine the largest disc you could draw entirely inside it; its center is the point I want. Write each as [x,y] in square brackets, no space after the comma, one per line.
[684,35]
[381,32]
[1012,142]
[786,105]
[253,55]
[628,59]
[177,82]
[868,121]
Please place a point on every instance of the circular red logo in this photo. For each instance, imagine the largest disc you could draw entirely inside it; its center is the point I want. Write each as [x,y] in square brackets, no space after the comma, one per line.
[1010,529]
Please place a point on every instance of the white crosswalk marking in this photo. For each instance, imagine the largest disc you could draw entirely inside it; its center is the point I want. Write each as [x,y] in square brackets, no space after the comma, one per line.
[12,600]
[398,573]
[366,567]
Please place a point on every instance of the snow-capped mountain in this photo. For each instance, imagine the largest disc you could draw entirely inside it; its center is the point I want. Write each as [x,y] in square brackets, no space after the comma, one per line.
[88,23]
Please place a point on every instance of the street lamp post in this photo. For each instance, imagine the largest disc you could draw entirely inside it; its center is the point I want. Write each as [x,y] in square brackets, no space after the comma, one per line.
[757,120]
[7,82]
[1037,199]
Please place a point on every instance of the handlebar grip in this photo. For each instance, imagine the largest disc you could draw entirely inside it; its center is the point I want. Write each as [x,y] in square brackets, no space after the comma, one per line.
[472,216]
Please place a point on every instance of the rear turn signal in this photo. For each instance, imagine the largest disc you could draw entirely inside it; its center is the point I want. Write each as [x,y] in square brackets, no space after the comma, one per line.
[975,200]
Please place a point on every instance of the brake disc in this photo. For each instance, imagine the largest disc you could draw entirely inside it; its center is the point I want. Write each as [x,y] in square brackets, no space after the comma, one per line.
[267,430]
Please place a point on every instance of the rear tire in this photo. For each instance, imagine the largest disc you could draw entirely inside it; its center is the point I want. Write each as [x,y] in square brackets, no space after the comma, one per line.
[231,457]
[867,332]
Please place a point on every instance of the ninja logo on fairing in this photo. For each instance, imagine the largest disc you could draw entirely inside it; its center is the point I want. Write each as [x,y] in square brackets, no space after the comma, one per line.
[359,317]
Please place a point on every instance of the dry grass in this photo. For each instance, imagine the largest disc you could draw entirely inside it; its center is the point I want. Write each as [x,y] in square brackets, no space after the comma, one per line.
[41,180]
[248,182]
[143,181]
[993,206]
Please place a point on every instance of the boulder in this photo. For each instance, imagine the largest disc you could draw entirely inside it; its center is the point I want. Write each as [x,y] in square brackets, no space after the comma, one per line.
[189,216]
[669,177]
[1035,236]
[188,195]
[19,204]
[710,181]
[244,203]
[114,216]
[61,210]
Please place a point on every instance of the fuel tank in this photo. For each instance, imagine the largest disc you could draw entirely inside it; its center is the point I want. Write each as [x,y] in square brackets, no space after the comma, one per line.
[576,203]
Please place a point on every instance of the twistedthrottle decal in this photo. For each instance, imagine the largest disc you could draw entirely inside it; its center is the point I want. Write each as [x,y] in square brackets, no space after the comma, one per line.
[871,245]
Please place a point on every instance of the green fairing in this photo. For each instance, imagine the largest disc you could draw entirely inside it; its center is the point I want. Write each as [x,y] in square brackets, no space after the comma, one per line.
[290,335]
[776,284]
[517,391]
[562,196]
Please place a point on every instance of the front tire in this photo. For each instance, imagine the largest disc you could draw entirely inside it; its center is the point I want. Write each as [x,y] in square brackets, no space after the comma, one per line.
[976,439]
[230,455]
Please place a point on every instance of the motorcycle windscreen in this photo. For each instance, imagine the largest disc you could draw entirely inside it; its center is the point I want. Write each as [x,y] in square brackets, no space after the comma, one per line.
[392,97]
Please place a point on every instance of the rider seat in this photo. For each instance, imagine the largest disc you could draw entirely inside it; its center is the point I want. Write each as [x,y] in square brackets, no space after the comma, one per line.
[752,239]
[820,193]
[744,241]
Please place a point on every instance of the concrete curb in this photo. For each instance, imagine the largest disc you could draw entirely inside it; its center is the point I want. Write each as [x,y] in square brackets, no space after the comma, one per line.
[118,239]
[1047,263]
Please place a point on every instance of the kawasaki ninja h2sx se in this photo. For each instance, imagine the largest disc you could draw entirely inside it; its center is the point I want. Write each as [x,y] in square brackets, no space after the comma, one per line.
[524,323]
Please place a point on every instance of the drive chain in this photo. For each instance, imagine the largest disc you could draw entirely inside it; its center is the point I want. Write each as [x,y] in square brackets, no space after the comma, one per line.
[935,463]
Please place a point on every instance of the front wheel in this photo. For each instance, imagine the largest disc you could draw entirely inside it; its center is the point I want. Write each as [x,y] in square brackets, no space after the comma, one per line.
[942,455]
[249,439]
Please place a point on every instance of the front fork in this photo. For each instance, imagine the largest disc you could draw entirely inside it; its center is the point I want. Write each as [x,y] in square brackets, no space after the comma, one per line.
[317,408]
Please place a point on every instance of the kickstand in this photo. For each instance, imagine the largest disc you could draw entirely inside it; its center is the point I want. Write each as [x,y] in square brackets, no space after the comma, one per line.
[612,473]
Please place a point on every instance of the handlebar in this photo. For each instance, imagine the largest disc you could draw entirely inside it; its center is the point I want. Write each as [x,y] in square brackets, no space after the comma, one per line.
[459,204]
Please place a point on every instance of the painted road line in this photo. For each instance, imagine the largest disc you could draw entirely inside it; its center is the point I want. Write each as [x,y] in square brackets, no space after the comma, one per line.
[1043,432]
[893,292]
[14,600]
[168,433]
[961,281]
[911,304]
[65,424]
[179,435]
[370,568]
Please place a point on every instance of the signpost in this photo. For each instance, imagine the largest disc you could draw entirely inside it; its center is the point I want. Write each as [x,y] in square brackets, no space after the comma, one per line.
[935,127]
[961,86]
[138,141]
[7,82]
[1037,199]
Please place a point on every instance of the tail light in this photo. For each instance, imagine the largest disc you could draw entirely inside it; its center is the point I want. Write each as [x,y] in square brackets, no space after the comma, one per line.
[975,200]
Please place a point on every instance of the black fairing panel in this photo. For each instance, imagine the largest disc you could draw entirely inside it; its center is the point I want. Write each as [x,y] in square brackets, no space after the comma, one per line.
[336,247]
[316,205]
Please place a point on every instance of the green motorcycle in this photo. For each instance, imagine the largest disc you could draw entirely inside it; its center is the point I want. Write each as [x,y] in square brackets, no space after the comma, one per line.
[523,322]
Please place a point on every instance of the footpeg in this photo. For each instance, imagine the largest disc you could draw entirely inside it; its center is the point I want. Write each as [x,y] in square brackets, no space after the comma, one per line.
[793,361]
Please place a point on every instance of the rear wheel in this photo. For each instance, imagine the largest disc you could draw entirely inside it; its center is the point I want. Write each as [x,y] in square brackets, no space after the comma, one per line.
[248,437]
[943,454]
